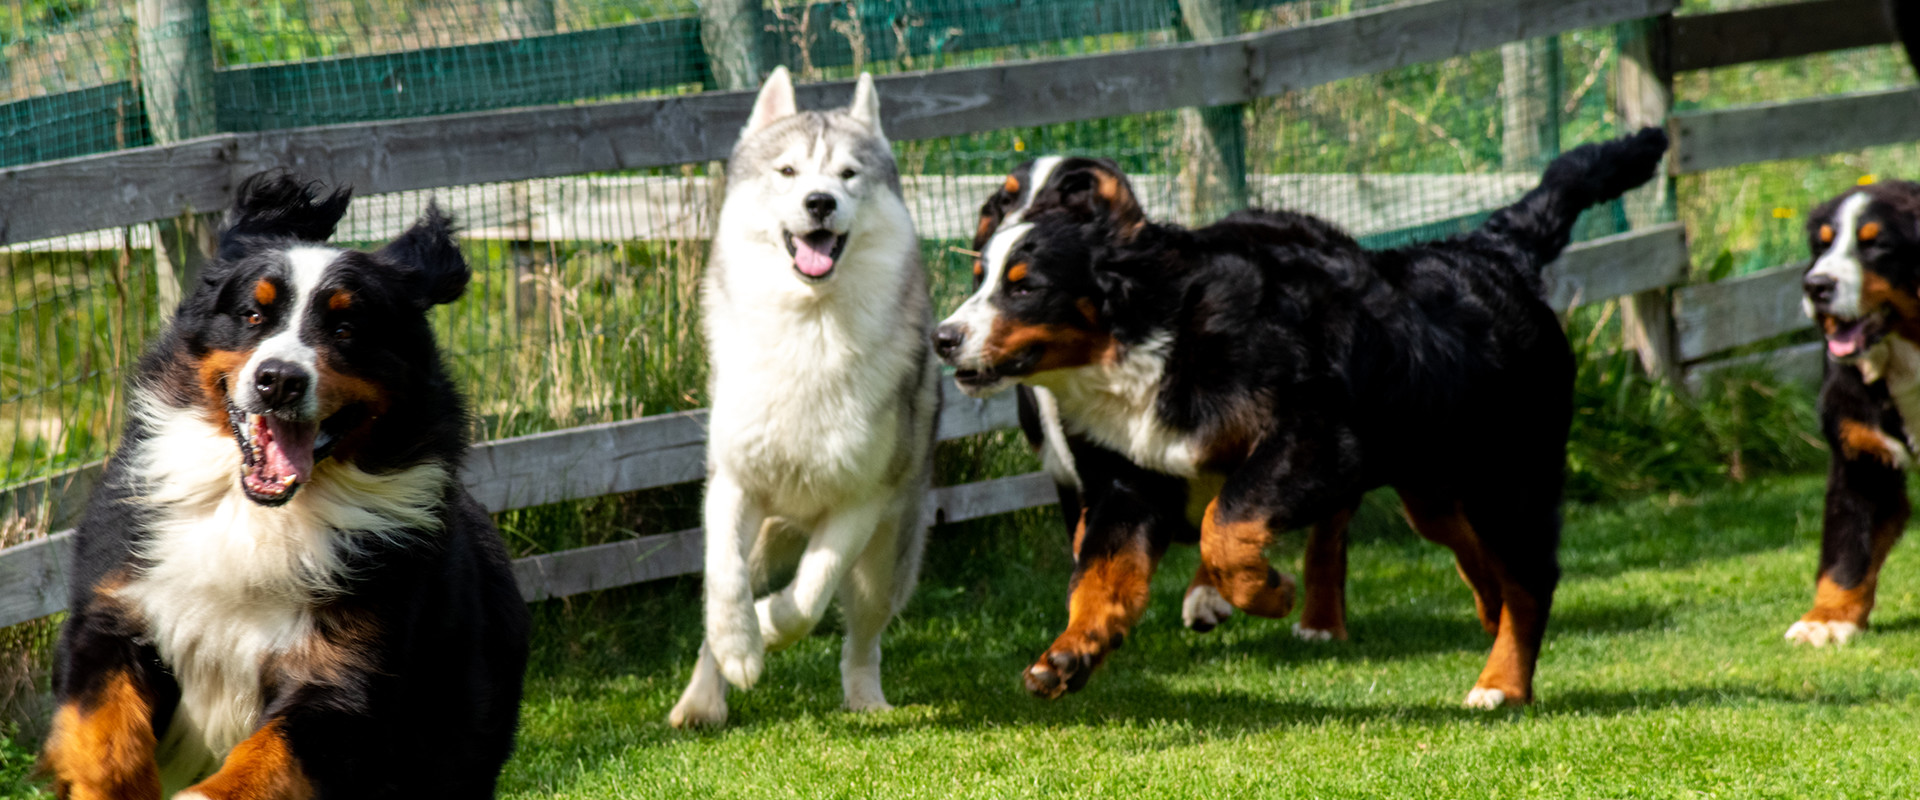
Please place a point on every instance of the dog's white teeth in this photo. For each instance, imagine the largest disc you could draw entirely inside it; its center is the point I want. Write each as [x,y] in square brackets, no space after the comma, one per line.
[286,481]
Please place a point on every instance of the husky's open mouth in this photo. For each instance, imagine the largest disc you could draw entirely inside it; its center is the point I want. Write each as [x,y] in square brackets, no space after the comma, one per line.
[1849,338]
[814,253]
[277,455]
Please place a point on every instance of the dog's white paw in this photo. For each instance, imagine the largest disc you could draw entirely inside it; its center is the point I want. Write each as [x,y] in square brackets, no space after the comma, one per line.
[861,686]
[189,794]
[703,705]
[1311,634]
[1819,634]
[780,624]
[739,651]
[1204,608]
[1485,699]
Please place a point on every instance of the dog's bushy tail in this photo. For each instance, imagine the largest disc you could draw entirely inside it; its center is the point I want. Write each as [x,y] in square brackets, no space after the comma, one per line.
[1586,176]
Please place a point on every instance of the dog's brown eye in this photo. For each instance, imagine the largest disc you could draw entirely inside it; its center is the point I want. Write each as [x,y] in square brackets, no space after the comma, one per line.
[343,332]
[847,175]
[786,172]
[1826,234]
[252,318]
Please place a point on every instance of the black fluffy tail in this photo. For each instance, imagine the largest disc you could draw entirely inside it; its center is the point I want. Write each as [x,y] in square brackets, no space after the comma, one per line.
[278,204]
[1586,176]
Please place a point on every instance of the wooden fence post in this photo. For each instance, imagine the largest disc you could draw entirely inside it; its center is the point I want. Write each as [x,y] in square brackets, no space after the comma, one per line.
[1213,179]
[730,35]
[1530,102]
[1643,94]
[175,40]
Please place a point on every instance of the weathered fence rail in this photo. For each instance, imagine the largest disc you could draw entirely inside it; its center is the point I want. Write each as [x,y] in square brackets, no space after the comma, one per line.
[150,183]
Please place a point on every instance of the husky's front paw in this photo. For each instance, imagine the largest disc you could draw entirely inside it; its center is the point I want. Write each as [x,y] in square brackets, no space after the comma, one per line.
[739,651]
[704,704]
[781,624]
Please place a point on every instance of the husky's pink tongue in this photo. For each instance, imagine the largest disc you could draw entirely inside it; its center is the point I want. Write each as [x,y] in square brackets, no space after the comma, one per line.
[289,450]
[810,260]
[1847,341]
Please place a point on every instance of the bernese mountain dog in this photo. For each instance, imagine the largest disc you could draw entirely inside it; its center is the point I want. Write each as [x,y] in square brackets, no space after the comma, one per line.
[1280,370]
[1863,292]
[281,588]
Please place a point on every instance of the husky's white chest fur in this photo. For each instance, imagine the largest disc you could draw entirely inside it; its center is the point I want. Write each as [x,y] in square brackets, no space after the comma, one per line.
[806,385]
[229,584]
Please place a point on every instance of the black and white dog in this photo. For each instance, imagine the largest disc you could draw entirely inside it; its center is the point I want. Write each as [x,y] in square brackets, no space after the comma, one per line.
[1281,370]
[1863,291]
[281,588]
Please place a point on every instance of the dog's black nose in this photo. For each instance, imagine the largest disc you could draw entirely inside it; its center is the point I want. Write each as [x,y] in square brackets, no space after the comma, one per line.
[947,340]
[821,205]
[280,384]
[1819,288]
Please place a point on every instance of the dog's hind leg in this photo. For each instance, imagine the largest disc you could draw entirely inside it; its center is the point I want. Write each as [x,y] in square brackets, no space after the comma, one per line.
[867,603]
[1440,521]
[1520,534]
[791,613]
[733,520]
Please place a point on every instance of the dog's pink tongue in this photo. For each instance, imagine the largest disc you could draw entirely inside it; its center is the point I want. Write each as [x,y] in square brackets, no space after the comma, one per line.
[811,260]
[1847,341]
[289,449]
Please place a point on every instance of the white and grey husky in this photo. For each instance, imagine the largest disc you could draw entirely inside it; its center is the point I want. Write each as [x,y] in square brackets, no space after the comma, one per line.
[824,396]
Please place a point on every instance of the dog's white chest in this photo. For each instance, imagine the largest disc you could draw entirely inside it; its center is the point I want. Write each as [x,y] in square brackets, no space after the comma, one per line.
[1897,361]
[1116,405]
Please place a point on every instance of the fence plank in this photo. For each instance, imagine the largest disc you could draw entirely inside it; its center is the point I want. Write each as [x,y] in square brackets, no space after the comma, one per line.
[1740,36]
[1729,137]
[987,498]
[44,200]
[1714,317]
[606,566]
[1616,265]
[1804,364]
[33,578]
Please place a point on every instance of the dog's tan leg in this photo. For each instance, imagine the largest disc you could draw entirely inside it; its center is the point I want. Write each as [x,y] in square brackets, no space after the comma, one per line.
[261,767]
[1441,522]
[1234,550]
[1113,566]
[1839,611]
[101,746]
[1323,612]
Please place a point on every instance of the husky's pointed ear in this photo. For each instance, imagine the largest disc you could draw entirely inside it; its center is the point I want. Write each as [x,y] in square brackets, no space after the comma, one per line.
[774,103]
[277,204]
[428,248]
[866,104]
[1094,190]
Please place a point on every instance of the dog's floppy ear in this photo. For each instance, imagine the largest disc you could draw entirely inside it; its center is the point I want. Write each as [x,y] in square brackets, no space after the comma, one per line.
[866,104]
[1094,190]
[276,204]
[428,248]
[774,103]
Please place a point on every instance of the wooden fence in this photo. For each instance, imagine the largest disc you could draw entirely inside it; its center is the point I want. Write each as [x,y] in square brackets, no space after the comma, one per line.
[1682,325]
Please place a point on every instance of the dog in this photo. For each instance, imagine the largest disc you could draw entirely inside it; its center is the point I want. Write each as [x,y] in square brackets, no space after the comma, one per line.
[824,396]
[281,588]
[1861,292]
[1281,371]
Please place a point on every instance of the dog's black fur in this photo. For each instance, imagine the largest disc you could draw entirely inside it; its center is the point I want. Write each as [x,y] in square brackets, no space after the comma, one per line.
[407,683]
[1871,337]
[1305,370]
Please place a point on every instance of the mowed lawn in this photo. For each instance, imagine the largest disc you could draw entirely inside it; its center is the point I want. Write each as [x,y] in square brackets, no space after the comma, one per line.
[1664,675]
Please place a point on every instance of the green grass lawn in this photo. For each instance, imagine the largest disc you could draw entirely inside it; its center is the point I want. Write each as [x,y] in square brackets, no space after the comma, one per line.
[1664,675]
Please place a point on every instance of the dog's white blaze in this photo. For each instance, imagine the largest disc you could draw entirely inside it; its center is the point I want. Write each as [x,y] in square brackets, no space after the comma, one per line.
[976,316]
[307,266]
[1116,405]
[229,583]
[1042,172]
[1841,262]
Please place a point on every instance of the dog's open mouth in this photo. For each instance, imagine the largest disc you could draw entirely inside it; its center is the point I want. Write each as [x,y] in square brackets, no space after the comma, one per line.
[277,454]
[815,253]
[1849,338]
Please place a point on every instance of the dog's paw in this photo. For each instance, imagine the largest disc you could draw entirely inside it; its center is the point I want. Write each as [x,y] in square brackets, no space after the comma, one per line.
[1306,634]
[700,707]
[1486,698]
[739,652]
[861,686]
[1819,634]
[780,623]
[190,794]
[1203,609]
[1068,664]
